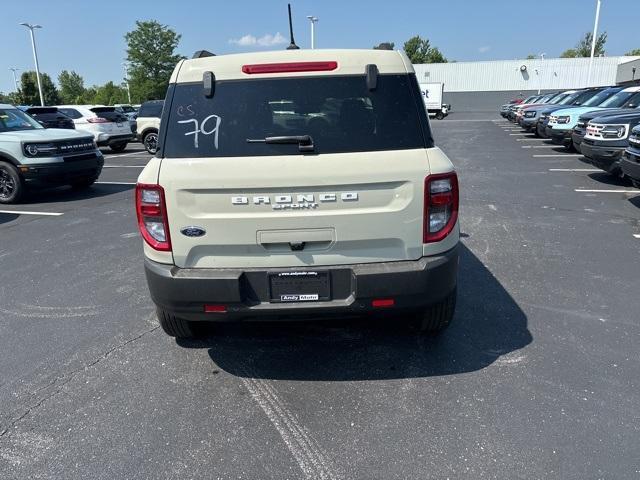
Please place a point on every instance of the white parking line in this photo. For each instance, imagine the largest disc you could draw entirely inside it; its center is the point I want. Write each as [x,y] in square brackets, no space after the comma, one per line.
[519,134]
[124,166]
[532,139]
[141,152]
[636,235]
[585,190]
[559,155]
[574,170]
[115,183]
[539,146]
[44,214]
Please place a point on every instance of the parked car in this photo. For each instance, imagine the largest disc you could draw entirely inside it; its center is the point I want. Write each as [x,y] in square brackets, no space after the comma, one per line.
[108,126]
[149,124]
[561,122]
[31,155]
[580,130]
[50,117]
[606,140]
[513,109]
[529,117]
[253,212]
[630,162]
[129,110]
[553,99]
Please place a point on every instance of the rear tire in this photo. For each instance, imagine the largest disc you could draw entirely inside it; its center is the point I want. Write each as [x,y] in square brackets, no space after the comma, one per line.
[11,185]
[439,116]
[174,326]
[118,147]
[436,318]
[150,142]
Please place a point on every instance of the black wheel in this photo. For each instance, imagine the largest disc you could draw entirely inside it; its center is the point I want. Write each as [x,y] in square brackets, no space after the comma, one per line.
[82,183]
[570,147]
[439,116]
[174,326]
[436,318]
[118,147]
[11,185]
[150,142]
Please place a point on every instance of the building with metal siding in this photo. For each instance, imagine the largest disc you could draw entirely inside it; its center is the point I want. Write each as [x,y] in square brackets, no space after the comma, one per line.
[482,86]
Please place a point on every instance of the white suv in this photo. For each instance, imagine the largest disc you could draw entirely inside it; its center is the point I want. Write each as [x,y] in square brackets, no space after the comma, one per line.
[108,126]
[298,184]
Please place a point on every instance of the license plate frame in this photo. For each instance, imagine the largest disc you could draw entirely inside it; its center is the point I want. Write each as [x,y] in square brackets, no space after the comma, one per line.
[299,286]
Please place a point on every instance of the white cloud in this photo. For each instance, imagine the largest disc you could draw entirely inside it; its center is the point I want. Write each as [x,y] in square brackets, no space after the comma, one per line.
[484,49]
[267,40]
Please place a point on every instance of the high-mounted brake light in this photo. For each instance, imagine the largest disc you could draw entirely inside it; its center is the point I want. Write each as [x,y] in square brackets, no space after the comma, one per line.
[441,202]
[289,67]
[152,216]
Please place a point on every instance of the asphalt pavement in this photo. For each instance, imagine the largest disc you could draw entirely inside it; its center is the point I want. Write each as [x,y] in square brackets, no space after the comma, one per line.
[537,377]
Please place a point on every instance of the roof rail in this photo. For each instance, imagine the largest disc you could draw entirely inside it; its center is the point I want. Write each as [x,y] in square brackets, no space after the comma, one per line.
[203,53]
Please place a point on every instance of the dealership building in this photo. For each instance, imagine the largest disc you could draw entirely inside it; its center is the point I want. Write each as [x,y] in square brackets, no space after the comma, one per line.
[482,86]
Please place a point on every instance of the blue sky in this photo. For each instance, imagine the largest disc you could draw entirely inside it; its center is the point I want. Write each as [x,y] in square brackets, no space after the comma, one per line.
[87,36]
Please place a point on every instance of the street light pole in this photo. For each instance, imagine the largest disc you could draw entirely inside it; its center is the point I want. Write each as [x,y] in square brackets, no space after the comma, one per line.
[15,79]
[313,21]
[540,72]
[593,41]
[35,57]
[126,74]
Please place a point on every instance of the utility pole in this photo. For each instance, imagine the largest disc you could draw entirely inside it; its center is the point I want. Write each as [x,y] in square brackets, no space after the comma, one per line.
[313,21]
[15,79]
[593,41]
[31,27]
[126,79]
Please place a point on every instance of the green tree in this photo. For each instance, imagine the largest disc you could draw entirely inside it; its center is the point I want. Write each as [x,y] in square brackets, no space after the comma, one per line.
[419,50]
[151,53]
[583,48]
[28,94]
[634,53]
[109,94]
[71,87]
[385,46]
[531,56]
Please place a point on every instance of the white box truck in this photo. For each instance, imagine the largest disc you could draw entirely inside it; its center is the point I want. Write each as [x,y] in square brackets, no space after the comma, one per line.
[432,96]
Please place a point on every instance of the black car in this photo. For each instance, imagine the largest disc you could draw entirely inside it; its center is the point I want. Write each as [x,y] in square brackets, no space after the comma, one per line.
[630,162]
[606,140]
[50,117]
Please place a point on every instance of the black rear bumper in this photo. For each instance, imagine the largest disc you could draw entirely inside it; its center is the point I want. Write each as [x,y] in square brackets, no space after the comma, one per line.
[245,293]
[63,173]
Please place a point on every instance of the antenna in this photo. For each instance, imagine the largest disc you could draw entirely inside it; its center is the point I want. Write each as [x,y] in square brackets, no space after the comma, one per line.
[292,45]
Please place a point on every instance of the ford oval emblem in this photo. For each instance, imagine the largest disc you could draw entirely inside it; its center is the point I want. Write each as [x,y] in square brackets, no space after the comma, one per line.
[193,231]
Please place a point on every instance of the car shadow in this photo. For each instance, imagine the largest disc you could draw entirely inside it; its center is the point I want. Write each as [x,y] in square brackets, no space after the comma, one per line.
[8,217]
[635,201]
[488,324]
[68,194]
[607,179]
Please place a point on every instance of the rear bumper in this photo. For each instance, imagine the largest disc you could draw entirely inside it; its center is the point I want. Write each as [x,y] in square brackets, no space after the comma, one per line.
[245,293]
[105,140]
[63,173]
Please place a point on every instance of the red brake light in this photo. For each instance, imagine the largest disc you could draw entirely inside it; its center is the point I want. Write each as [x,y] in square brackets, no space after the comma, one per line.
[152,216]
[441,203]
[97,120]
[215,309]
[289,67]
[383,303]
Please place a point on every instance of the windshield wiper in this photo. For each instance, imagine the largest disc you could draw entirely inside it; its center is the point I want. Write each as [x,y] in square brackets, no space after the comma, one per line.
[305,142]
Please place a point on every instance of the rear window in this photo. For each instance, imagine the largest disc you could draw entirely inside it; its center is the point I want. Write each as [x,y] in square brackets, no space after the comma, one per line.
[71,112]
[151,109]
[339,113]
[110,113]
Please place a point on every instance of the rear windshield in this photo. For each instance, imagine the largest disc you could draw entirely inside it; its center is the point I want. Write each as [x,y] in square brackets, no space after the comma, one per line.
[600,97]
[71,113]
[110,113]
[151,109]
[339,113]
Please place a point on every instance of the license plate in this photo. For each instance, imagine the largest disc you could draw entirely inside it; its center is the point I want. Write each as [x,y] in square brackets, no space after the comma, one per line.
[299,286]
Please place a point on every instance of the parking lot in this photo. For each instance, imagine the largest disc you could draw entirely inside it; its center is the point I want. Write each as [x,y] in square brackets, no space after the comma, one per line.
[538,376]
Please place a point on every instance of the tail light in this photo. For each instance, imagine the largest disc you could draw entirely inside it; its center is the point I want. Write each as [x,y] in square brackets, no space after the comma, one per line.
[97,120]
[440,206]
[152,216]
[290,67]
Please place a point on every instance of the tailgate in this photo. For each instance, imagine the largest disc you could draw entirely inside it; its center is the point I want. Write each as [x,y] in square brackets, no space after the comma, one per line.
[295,210]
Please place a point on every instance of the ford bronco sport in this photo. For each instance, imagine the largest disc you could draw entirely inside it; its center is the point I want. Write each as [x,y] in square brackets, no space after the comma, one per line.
[298,184]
